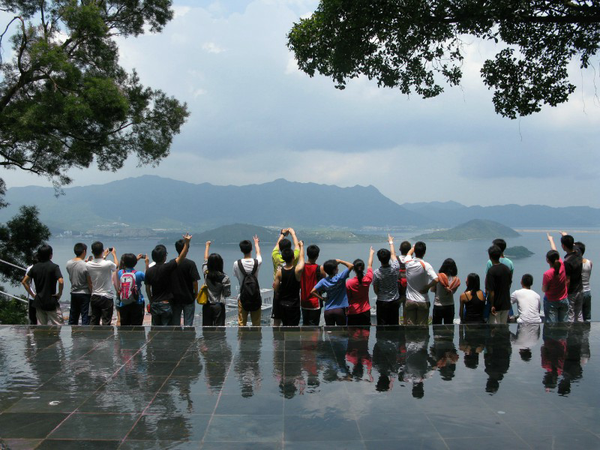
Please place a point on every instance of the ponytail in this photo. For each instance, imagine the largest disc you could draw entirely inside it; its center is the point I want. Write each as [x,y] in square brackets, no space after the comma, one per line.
[553,259]
[359,269]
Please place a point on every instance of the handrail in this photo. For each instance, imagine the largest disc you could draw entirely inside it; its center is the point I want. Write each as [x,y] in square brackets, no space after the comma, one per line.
[16,298]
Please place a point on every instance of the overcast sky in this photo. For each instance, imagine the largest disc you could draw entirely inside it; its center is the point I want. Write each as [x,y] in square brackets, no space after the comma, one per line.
[256,118]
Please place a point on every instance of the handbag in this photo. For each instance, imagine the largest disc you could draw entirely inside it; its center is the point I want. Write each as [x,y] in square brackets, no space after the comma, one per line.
[202,297]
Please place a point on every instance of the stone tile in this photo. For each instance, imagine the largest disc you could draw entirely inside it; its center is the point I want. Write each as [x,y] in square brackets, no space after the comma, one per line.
[95,426]
[29,425]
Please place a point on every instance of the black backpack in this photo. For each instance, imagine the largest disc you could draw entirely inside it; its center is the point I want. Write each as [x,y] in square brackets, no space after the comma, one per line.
[249,288]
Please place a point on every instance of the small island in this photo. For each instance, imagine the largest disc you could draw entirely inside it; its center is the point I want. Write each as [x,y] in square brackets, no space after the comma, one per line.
[473,229]
[517,252]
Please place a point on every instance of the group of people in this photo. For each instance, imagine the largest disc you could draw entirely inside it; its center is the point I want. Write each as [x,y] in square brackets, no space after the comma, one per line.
[303,288]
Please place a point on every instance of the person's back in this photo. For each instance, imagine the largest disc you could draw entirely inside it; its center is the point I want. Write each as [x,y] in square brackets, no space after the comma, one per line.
[250,266]
[80,280]
[335,287]
[573,268]
[310,304]
[420,278]
[131,298]
[46,276]
[100,271]
[497,282]
[586,272]
[528,301]
[184,286]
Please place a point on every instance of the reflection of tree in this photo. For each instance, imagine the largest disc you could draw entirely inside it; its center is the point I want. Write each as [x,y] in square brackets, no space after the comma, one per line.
[471,341]
[247,360]
[389,356]
[443,351]
[217,355]
[527,337]
[357,353]
[497,356]
[418,365]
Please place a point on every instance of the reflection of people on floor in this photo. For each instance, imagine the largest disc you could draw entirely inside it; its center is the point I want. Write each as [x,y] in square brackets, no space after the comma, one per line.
[526,338]
[389,356]
[418,364]
[554,351]
[577,355]
[247,360]
[471,341]
[310,342]
[497,356]
[357,353]
[443,351]
[217,355]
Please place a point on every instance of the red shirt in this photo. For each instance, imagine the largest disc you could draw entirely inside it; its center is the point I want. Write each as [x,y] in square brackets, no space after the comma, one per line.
[556,286]
[358,293]
[307,283]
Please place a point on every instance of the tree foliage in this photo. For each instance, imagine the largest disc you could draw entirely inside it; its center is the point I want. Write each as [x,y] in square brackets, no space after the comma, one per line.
[64,99]
[20,238]
[412,44]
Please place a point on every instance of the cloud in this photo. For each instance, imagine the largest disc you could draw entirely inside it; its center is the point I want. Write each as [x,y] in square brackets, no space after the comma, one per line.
[211,47]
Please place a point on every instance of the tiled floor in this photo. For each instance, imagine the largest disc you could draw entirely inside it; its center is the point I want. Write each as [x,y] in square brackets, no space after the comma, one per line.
[395,387]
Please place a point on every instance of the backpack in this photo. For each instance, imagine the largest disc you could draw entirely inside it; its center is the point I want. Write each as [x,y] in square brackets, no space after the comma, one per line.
[249,288]
[128,291]
[402,279]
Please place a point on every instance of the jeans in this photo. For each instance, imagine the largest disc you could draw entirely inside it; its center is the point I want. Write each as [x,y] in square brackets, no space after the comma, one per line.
[336,316]
[161,313]
[556,311]
[102,308]
[311,317]
[443,314]
[188,310]
[132,314]
[586,307]
[213,315]
[80,307]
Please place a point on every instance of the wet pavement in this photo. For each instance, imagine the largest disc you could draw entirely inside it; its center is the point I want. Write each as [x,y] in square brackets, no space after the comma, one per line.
[443,387]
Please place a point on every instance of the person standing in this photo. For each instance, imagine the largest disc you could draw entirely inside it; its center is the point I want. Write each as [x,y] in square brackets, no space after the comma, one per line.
[184,283]
[129,290]
[554,286]
[573,269]
[385,286]
[46,275]
[158,282]
[586,273]
[335,286]
[357,288]
[472,301]
[497,285]
[81,286]
[219,288]
[100,271]
[278,262]
[420,278]
[448,283]
[287,286]
[310,304]
[251,267]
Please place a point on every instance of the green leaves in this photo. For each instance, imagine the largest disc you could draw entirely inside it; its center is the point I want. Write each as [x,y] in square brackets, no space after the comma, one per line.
[416,45]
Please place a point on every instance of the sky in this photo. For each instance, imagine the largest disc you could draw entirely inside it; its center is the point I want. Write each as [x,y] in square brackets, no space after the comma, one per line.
[255,118]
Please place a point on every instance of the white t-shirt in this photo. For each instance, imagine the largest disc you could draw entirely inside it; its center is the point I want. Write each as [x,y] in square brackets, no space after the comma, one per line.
[100,271]
[417,277]
[586,272]
[528,305]
[248,266]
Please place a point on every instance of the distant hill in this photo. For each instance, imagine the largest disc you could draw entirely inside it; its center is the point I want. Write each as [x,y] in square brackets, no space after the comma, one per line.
[452,213]
[162,203]
[233,234]
[473,229]
[517,252]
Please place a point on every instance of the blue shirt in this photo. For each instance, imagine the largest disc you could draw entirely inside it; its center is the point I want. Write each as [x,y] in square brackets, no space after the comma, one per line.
[139,278]
[335,287]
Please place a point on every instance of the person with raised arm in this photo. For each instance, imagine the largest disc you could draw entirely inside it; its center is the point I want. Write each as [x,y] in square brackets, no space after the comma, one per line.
[287,286]
[573,268]
[312,273]
[184,284]
[554,286]
[101,271]
[130,297]
[420,278]
[336,303]
[385,286]
[278,262]
[242,268]
[357,288]
[158,282]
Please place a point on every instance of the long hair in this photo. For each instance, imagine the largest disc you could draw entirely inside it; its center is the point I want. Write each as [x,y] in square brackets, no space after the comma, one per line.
[359,269]
[214,268]
[449,267]
[473,284]
[554,259]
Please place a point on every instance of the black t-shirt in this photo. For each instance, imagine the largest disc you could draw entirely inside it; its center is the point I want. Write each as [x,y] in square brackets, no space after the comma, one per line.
[159,278]
[45,275]
[182,281]
[573,268]
[498,280]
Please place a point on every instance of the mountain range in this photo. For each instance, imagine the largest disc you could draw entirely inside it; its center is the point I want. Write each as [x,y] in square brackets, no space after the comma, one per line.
[155,203]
